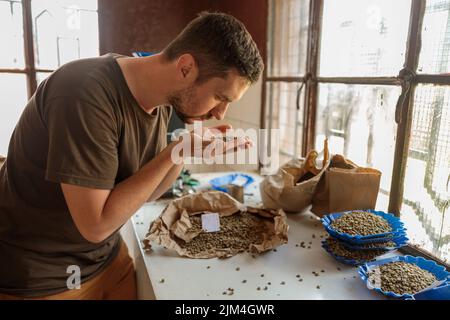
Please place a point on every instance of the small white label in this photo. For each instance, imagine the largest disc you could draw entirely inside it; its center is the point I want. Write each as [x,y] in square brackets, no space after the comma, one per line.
[211,222]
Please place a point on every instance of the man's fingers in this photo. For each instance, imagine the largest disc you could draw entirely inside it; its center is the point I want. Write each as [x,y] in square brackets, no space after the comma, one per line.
[244,141]
[242,146]
[222,128]
[239,143]
[210,147]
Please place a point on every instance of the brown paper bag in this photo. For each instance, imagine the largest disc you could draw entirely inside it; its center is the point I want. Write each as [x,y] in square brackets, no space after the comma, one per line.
[346,186]
[294,185]
[173,225]
[283,191]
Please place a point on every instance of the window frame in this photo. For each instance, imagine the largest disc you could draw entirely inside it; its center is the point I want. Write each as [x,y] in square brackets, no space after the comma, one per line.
[407,78]
[30,69]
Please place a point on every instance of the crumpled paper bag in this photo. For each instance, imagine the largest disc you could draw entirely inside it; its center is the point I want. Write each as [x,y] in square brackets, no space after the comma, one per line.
[282,190]
[293,186]
[173,225]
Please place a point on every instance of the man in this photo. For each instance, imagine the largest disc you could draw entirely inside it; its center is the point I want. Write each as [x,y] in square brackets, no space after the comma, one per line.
[90,149]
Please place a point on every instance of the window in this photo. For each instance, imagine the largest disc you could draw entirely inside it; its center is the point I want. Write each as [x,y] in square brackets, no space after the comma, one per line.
[289,25]
[434,55]
[288,37]
[11,33]
[363,38]
[426,194]
[40,35]
[283,116]
[13,97]
[374,78]
[63,31]
[359,122]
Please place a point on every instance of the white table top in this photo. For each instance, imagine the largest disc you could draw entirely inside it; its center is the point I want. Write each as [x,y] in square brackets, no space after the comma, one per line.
[175,277]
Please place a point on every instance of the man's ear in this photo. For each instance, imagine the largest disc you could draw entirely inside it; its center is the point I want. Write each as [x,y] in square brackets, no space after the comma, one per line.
[187,68]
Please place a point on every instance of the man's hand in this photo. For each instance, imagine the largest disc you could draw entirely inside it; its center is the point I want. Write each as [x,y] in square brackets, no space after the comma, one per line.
[208,143]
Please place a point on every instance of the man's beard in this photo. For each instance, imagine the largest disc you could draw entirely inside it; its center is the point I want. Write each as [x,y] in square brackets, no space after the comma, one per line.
[181,100]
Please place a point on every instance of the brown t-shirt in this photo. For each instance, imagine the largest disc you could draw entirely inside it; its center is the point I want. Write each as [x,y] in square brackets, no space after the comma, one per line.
[82,127]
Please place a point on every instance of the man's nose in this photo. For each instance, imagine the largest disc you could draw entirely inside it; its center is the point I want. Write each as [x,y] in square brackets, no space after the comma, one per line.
[220,111]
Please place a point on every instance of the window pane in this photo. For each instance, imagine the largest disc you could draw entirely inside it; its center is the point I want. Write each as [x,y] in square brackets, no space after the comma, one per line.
[359,121]
[41,76]
[282,114]
[288,34]
[13,97]
[364,38]
[434,54]
[11,33]
[426,188]
[64,31]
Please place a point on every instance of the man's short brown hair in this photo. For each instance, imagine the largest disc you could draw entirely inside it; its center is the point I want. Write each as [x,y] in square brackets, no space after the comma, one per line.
[218,42]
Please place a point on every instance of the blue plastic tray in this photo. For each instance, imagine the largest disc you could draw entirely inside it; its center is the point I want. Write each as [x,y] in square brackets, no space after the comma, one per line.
[372,240]
[400,241]
[342,259]
[438,293]
[218,182]
[437,270]
[397,228]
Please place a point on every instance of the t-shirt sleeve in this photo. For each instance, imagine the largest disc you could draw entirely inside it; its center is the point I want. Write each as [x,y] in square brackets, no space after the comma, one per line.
[165,137]
[83,140]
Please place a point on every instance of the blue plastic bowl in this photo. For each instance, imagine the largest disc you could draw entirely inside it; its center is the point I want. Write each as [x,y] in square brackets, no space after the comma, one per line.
[437,270]
[438,293]
[342,259]
[400,241]
[218,182]
[397,226]
[373,240]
